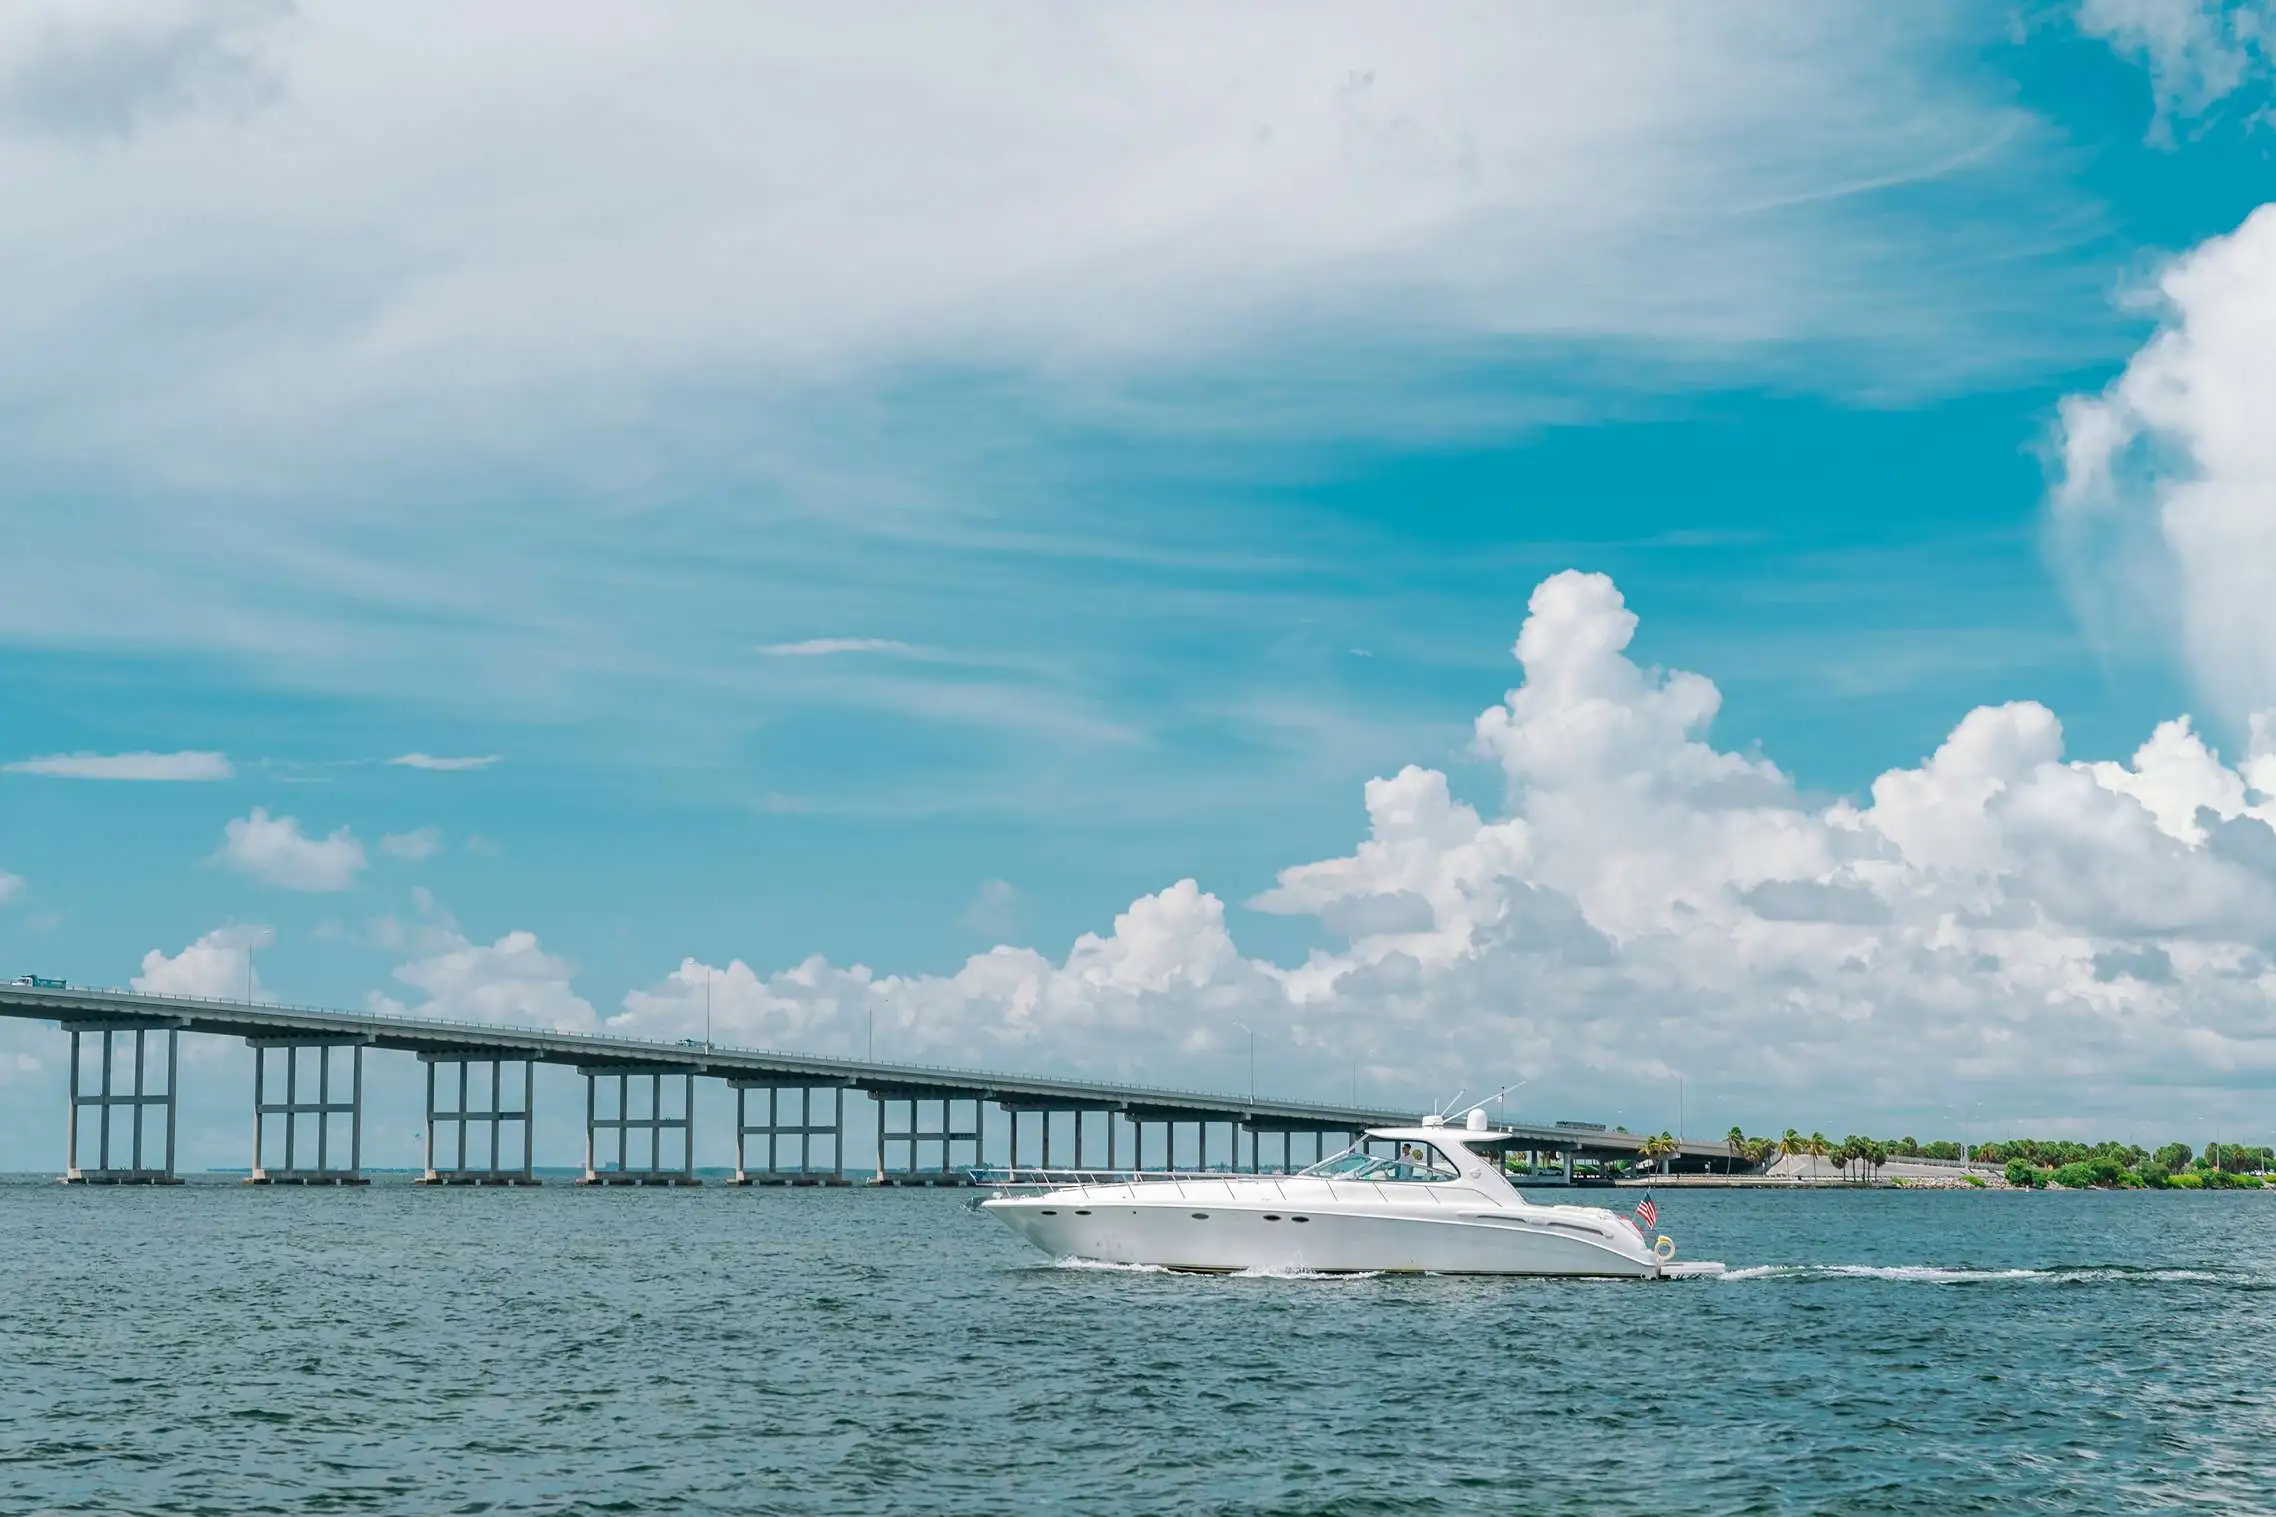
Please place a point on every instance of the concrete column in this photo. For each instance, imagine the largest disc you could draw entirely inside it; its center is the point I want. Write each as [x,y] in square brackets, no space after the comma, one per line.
[323,1098]
[356,1117]
[260,1079]
[292,1098]
[138,1100]
[103,1143]
[173,1093]
[71,1113]
[687,1133]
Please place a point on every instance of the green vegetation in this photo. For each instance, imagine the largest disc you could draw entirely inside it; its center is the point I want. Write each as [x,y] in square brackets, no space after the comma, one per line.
[2029,1163]
[2032,1165]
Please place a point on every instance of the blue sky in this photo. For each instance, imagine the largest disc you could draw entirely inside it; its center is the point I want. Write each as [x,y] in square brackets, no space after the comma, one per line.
[883,491]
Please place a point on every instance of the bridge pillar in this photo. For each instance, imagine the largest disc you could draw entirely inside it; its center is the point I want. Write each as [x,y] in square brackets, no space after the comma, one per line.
[630,1082]
[142,1140]
[472,1162]
[947,1135]
[775,1130]
[324,1108]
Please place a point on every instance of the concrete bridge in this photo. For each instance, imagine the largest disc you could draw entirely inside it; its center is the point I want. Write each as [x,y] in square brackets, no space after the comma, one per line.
[790,1109]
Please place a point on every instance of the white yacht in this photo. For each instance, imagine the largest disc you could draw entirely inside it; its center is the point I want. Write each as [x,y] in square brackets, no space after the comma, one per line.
[1436,1204]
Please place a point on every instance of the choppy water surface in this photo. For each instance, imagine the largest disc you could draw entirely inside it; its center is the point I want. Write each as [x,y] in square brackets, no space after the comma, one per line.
[217,1349]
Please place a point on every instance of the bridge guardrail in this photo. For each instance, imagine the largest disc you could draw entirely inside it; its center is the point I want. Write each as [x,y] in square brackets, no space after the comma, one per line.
[1216,1100]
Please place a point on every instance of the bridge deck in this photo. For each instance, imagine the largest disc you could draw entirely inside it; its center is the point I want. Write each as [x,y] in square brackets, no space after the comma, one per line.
[602,1052]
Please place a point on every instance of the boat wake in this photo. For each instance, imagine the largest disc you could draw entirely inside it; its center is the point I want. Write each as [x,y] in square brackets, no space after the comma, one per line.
[1107,1264]
[1699,1269]
[1290,1272]
[1932,1274]
[1261,1272]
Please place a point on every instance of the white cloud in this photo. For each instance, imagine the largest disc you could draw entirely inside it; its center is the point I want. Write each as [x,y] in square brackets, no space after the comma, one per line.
[423,843]
[2198,52]
[445,765]
[513,980]
[994,909]
[2064,941]
[802,224]
[1127,182]
[2164,507]
[218,966]
[276,852]
[128,766]
[821,647]
[11,886]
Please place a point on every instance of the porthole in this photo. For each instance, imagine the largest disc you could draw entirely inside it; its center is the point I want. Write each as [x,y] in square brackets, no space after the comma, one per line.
[1049,1213]
[1272,1216]
[1201,1216]
[1082,1214]
[1299,1219]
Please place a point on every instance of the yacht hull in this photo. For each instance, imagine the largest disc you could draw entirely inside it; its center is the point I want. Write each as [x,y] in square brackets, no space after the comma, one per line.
[1316,1234]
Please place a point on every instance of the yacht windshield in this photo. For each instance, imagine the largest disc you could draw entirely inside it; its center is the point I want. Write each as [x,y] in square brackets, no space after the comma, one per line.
[1409,1162]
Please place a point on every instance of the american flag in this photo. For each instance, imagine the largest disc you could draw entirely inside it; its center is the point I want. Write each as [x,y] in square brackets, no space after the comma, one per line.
[1647,1212]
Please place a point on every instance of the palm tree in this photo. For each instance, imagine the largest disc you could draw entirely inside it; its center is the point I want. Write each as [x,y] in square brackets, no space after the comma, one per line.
[1736,1140]
[1792,1146]
[1661,1147]
[1817,1148]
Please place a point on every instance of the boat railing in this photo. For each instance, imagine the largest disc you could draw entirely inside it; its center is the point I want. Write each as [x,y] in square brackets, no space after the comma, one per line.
[1035,1177]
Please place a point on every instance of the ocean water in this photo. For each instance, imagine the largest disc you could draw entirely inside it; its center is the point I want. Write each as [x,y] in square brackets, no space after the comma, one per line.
[222,1349]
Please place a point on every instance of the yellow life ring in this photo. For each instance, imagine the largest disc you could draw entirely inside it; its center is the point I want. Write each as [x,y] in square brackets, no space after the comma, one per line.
[1663,1248]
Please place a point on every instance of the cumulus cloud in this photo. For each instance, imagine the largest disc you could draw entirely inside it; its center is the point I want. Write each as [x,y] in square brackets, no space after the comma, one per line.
[411,847]
[2068,937]
[513,980]
[2164,501]
[2198,52]
[276,852]
[128,766]
[445,765]
[218,966]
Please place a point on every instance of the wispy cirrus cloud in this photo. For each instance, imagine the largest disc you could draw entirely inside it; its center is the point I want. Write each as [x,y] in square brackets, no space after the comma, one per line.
[1186,224]
[443,765]
[158,767]
[823,647]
